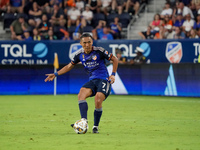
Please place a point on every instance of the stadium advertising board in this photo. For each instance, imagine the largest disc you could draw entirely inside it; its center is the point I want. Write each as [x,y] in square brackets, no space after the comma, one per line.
[149,79]
[156,51]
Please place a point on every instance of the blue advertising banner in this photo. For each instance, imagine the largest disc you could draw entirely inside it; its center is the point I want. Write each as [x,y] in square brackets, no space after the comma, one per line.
[156,51]
[149,79]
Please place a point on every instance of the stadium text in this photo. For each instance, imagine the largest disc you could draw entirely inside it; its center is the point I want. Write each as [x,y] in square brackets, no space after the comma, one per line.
[18,54]
[197,51]
[15,50]
[127,50]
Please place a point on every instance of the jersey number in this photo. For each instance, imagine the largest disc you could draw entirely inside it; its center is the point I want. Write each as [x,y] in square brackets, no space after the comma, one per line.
[104,84]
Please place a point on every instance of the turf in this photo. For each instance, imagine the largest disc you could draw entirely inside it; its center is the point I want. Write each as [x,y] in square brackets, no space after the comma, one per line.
[128,123]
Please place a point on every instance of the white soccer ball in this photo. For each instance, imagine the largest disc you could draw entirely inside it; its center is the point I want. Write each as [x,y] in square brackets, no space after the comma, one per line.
[81,126]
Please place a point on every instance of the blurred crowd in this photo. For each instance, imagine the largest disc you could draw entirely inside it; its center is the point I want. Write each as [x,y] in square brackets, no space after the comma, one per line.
[178,20]
[68,19]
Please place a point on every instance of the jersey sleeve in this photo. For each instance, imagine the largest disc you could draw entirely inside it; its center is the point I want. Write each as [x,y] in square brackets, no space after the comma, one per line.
[75,60]
[105,54]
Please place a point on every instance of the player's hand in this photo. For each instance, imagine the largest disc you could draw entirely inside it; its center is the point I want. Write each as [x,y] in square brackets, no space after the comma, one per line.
[111,79]
[50,77]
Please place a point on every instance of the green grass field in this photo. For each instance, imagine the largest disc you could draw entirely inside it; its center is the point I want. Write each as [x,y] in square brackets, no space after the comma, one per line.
[128,123]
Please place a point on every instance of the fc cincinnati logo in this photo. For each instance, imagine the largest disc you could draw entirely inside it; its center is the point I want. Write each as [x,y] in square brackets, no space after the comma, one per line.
[94,57]
[106,52]
[174,52]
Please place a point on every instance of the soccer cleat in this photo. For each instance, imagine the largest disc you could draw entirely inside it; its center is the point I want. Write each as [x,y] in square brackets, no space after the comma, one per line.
[95,130]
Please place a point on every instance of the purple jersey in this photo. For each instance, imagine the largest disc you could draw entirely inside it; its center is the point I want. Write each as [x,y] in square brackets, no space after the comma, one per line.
[94,62]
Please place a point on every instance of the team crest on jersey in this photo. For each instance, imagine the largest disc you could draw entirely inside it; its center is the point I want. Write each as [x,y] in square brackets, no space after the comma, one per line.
[94,57]
[174,52]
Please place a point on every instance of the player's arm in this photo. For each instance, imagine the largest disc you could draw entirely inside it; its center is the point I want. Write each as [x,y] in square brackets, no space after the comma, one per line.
[64,70]
[115,66]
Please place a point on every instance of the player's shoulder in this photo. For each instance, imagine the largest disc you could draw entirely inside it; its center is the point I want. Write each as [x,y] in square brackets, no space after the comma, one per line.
[78,52]
[95,48]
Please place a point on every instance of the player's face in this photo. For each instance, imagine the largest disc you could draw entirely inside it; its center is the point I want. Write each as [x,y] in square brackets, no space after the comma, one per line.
[86,43]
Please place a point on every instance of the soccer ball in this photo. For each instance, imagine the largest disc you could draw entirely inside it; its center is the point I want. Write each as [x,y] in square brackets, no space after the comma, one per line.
[81,126]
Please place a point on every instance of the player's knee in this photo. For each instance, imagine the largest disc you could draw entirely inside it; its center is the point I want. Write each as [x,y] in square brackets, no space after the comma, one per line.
[83,94]
[98,100]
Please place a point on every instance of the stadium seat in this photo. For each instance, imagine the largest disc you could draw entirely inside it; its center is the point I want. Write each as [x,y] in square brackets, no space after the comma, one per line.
[87,29]
[71,30]
[56,31]
[97,17]
[110,18]
[124,19]
[8,19]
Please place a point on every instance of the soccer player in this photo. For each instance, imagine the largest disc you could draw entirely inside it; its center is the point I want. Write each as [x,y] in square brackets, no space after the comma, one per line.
[93,60]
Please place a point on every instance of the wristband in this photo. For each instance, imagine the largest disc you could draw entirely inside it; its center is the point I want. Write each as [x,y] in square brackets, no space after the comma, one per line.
[56,74]
[113,73]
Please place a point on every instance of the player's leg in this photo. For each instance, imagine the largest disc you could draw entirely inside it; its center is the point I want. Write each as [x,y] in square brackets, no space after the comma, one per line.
[103,91]
[99,98]
[83,106]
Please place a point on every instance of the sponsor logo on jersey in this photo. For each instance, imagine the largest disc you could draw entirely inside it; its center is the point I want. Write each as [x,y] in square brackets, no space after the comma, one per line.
[174,52]
[94,57]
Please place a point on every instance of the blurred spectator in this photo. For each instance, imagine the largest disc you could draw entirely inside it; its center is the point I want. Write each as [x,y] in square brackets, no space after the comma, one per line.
[139,59]
[147,34]
[18,27]
[61,30]
[17,6]
[167,10]
[26,36]
[121,59]
[168,20]
[187,34]
[57,15]
[66,37]
[155,24]
[197,23]
[44,26]
[98,29]
[179,20]
[105,6]
[87,16]
[35,15]
[193,8]
[80,5]
[51,36]
[28,6]
[44,5]
[117,5]
[188,23]
[105,35]
[36,36]
[179,34]
[169,34]
[198,32]
[184,10]
[160,34]
[193,34]
[55,2]
[3,6]
[94,4]
[76,35]
[73,16]
[135,4]
[116,28]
